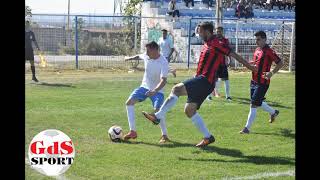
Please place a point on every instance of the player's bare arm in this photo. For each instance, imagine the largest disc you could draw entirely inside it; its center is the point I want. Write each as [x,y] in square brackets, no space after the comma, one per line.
[161,84]
[268,75]
[136,57]
[243,61]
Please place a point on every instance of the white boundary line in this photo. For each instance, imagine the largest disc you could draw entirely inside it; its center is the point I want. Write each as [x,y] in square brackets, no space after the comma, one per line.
[265,174]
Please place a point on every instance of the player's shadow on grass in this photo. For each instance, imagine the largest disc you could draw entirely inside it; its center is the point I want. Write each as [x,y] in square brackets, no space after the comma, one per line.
[211,148]
[259,160]
[56,84]
[241,100]
[283,132]
[171,144]
[221,151]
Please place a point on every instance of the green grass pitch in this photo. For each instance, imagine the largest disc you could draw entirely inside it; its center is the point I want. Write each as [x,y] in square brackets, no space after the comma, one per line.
[85,104]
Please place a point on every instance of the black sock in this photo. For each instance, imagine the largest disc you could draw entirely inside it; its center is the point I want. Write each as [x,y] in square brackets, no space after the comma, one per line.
[33,70]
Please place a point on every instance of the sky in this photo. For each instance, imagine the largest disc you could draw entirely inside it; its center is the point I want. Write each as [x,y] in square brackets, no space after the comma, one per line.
[98,7]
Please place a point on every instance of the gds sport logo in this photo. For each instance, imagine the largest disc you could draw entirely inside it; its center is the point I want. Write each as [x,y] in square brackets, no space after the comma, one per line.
[51,152]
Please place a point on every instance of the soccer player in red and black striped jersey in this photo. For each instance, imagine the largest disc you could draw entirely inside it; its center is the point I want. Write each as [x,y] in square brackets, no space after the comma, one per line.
[262,59]
[199,87]
[223,74]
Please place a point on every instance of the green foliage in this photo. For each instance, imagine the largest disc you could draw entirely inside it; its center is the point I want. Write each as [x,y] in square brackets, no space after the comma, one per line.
[116,42]
[133,8]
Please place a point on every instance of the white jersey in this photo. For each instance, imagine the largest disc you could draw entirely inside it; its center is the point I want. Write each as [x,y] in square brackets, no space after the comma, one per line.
[155,69]
[165,46]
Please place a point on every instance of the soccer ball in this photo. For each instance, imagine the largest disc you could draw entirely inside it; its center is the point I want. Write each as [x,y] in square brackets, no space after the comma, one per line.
[115,133]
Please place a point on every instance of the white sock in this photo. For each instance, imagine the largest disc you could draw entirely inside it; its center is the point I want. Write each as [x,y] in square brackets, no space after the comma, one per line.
[227,88]
[251,117]
[217,86]
[267,108]
[197,121]
[163,126]
[167,105]
[131,120]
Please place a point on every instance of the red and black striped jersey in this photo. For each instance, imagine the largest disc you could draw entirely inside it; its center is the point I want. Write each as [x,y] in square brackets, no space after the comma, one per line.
[226,43]
[211,57]
[263,58]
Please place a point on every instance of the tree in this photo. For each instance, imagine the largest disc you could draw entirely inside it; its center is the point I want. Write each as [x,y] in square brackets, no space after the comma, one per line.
[27,11]
[133,8]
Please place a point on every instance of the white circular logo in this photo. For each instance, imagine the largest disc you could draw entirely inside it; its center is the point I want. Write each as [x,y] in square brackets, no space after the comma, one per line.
[51,152]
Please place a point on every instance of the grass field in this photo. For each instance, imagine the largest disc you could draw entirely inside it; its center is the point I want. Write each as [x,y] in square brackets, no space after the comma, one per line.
[85,104]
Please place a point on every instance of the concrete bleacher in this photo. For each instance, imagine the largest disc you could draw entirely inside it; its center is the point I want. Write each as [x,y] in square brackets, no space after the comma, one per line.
[201,10]
[269,21]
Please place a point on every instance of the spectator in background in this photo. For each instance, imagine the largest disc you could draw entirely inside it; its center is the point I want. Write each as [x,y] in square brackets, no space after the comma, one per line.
[172,9]
[269,5]
[209,3]
[288,4]
[240,9]
[249,11]
[233,3]
[188,1]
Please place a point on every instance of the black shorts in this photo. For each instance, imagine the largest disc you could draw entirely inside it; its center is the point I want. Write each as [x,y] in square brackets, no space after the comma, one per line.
[198,89]
[223,72]
[29,55]
[257,92]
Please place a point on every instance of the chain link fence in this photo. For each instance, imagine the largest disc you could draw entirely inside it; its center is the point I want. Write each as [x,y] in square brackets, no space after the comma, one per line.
[81,42]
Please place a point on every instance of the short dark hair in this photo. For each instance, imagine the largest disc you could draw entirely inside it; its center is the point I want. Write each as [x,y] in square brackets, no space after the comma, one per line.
[262,34]
[220,27]
[164,30]
[207,26]
[152,45]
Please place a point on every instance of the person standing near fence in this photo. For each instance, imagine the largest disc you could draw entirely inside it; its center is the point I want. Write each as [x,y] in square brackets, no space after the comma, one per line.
[201,85]
[262,58]
[167,48]
[154,79]
[223,74]
[29,56]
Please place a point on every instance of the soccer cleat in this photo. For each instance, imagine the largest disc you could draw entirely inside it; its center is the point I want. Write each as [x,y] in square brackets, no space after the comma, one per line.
[209,98]
[206,141]
[151,117]
[245,130]
[34,79]
[273,116]
[229,99]
[131,135]
[164,139]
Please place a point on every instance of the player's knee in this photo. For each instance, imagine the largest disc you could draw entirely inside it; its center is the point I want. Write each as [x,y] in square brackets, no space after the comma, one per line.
[130,102]
[189,111]
[177,89]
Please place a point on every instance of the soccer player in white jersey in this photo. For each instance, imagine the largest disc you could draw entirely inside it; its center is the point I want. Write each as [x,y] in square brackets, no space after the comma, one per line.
[166,48]
[154,79]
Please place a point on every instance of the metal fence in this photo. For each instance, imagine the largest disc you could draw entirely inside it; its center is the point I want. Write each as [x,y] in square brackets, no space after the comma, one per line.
[103,41]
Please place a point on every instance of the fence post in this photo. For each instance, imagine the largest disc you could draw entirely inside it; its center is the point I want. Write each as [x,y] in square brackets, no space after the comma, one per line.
[237,42]
[135,34]
[292,47]
[76,43]
[189,42]
[282,41]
